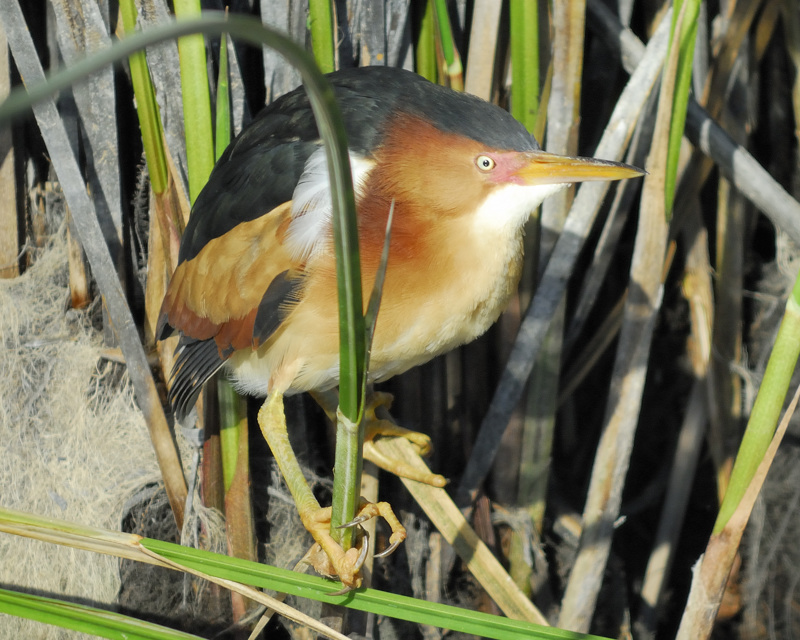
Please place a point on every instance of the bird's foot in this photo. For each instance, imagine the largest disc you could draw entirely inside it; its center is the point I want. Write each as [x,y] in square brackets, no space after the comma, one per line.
[328,558]
[383,427]
[376,427]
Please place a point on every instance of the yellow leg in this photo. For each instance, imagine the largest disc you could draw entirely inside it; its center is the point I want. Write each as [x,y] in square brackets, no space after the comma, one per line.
[333,560]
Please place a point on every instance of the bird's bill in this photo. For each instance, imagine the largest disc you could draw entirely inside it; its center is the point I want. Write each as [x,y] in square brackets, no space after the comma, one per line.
[540,167]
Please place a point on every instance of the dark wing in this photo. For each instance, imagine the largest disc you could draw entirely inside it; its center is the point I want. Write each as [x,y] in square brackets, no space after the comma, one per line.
[233,294]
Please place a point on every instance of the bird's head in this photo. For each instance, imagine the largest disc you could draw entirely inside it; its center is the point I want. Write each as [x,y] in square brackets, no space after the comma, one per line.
[493,171]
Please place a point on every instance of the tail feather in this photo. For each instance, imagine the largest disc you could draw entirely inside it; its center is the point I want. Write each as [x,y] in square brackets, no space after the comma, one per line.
[196,362]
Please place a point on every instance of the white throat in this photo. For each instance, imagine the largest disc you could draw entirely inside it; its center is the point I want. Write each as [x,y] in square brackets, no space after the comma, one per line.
[507,208]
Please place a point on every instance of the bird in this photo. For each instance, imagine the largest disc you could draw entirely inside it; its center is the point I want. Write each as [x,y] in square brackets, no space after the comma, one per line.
[254,291]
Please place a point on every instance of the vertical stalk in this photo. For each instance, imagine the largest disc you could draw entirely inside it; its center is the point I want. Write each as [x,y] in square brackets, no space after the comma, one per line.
[642,304]
[756,454]
[348,462]
[536,443]
[320,16]
[196,102]
[767,408]
[451,68]
[426,46]
[525,61]
[146,106]
[562,137]
[222,122]
[680,100]
[234,445]
[164,227]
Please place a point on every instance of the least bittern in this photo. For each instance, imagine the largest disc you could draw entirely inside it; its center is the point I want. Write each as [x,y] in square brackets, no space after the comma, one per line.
[255,288]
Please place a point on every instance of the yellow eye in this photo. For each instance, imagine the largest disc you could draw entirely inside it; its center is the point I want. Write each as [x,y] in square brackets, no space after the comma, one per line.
[485,163]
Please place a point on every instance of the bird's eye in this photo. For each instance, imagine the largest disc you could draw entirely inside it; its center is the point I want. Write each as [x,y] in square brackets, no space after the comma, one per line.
[485,163]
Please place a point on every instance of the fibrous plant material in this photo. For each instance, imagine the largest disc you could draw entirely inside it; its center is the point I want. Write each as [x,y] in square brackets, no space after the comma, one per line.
[72,441]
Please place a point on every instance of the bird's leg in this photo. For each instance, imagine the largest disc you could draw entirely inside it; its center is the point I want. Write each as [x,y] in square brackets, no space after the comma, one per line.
[335,560]
[327,556]
[384,426]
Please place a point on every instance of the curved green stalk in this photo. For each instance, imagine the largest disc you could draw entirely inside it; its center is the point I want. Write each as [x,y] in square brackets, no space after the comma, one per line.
[331,130]
[329,121]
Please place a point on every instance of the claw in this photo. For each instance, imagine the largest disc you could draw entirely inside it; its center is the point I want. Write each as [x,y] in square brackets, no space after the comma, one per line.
[343,591]
[389,550]
[362,556]
[354,522]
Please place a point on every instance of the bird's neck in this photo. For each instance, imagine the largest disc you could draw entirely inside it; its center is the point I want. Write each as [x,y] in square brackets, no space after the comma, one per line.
[446,290]
[443,257]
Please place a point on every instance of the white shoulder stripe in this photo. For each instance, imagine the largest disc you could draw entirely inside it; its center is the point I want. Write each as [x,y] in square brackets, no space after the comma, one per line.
[312,205]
